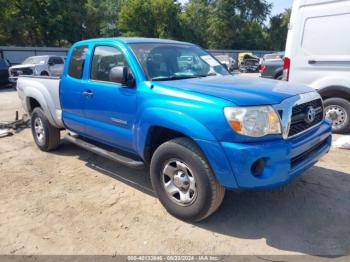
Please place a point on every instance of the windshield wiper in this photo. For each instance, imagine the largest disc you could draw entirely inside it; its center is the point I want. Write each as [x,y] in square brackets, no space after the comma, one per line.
[174,77]
[179,77]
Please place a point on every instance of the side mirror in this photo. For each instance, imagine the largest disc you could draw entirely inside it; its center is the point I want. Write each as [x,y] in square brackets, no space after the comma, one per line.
[51,63]
[122,75]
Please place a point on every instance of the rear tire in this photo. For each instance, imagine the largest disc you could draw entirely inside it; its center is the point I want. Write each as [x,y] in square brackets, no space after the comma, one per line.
[186,164]
[338,111]
[46,136]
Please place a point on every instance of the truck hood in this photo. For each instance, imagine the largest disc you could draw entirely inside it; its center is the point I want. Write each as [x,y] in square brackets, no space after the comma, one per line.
[23,66]
[241,90]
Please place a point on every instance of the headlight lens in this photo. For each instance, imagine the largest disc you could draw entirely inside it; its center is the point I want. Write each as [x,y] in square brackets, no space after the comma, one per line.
[255,121]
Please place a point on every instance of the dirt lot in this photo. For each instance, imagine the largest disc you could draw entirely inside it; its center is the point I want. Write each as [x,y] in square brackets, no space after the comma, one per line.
[74,202]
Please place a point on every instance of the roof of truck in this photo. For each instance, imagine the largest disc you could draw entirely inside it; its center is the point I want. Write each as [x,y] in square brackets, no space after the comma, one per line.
[134,40]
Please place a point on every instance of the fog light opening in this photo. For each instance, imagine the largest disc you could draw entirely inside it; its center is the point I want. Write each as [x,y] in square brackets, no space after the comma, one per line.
[258,167]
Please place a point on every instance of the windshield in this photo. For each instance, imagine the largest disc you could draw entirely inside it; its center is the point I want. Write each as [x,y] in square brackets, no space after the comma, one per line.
[35,60]
[162,62]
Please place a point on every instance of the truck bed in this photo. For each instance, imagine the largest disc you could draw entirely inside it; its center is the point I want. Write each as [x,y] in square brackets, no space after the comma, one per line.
[45,91]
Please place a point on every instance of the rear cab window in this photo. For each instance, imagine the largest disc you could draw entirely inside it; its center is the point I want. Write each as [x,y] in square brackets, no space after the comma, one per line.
[77,62]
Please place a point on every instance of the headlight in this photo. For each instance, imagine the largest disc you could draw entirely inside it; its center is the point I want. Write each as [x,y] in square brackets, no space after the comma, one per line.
[255,121]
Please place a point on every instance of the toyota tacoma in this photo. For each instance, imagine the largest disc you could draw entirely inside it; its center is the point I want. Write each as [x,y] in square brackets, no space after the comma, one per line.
[198,129]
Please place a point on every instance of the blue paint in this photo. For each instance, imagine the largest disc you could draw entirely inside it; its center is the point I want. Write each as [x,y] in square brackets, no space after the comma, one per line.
[122,117]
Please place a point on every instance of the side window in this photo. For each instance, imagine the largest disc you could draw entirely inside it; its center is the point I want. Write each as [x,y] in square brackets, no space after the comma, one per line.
[58,61]
[51,61]
[104,59]
[77,61]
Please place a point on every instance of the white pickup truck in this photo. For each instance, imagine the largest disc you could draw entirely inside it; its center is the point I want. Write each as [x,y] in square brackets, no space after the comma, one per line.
[46,65]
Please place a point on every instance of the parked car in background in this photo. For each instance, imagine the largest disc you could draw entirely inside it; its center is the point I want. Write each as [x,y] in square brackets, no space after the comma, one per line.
[227,61]
[38,66]
[272,66]
[318,54]
[4,75]
[248,63]
[201,130]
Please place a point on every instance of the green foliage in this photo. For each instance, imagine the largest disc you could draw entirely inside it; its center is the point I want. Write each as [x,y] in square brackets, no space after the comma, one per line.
[194,21]
[150,18]
[233,24]
[277,31]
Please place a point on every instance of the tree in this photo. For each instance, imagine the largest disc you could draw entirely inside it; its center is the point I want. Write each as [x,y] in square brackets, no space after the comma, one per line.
[253,37]
[277,30]
[150,18]
[56,23]
[230,24]
[232,21]
[194,21]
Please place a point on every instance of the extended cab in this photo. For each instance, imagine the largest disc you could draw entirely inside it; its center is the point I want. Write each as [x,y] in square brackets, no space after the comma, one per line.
[198,128]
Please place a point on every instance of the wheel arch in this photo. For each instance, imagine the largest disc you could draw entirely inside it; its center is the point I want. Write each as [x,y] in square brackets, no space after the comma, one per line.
[158,125]
[335,91]
[44,73]
[158,121]
[32,103]
[278,72]
[158,135]
[37,100]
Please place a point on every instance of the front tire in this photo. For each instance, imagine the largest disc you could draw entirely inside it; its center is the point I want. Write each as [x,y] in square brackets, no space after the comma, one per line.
[184,182]
[338,111]
[46,136]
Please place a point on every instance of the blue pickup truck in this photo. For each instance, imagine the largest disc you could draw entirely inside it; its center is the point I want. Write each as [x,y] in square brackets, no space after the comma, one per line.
[172,108]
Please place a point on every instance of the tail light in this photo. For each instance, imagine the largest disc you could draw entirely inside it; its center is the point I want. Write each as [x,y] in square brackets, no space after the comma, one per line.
[286,68]
[262,68]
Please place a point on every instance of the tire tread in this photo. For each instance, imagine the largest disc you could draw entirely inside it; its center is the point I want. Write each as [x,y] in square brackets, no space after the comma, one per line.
[218,191]
[53,136]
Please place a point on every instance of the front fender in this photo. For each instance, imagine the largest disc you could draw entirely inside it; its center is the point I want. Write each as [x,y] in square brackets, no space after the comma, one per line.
[171,119]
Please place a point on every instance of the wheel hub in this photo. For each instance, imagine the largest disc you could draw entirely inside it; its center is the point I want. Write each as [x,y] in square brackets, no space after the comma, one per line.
[39,130]
[179,182]
[337,115]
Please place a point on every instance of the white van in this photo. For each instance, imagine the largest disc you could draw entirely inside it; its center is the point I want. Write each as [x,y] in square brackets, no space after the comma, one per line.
[318,54]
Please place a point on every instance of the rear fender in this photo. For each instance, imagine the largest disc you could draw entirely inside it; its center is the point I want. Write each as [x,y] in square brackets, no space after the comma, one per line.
[41,95]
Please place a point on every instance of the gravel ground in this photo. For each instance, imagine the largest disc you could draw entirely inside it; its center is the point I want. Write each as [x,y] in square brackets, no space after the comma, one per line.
[73,202]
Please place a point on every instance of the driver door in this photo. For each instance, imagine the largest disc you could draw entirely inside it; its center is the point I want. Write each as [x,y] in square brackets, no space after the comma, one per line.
[109,107]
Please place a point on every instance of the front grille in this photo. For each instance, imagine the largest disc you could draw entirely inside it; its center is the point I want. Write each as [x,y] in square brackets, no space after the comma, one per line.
[300,122]
[21,71]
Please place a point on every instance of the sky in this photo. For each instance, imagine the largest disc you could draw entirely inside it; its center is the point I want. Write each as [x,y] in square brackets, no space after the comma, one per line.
[280,5]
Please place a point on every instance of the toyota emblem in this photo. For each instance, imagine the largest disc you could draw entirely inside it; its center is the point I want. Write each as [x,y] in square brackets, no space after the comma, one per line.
[310,115]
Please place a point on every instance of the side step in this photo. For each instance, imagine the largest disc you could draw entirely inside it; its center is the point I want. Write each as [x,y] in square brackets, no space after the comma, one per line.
[103,152]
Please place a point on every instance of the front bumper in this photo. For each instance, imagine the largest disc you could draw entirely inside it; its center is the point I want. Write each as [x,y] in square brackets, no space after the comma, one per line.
[284,159]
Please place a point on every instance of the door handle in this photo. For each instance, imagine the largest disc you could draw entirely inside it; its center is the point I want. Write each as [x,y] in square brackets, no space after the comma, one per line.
[87,93]
[312,62]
